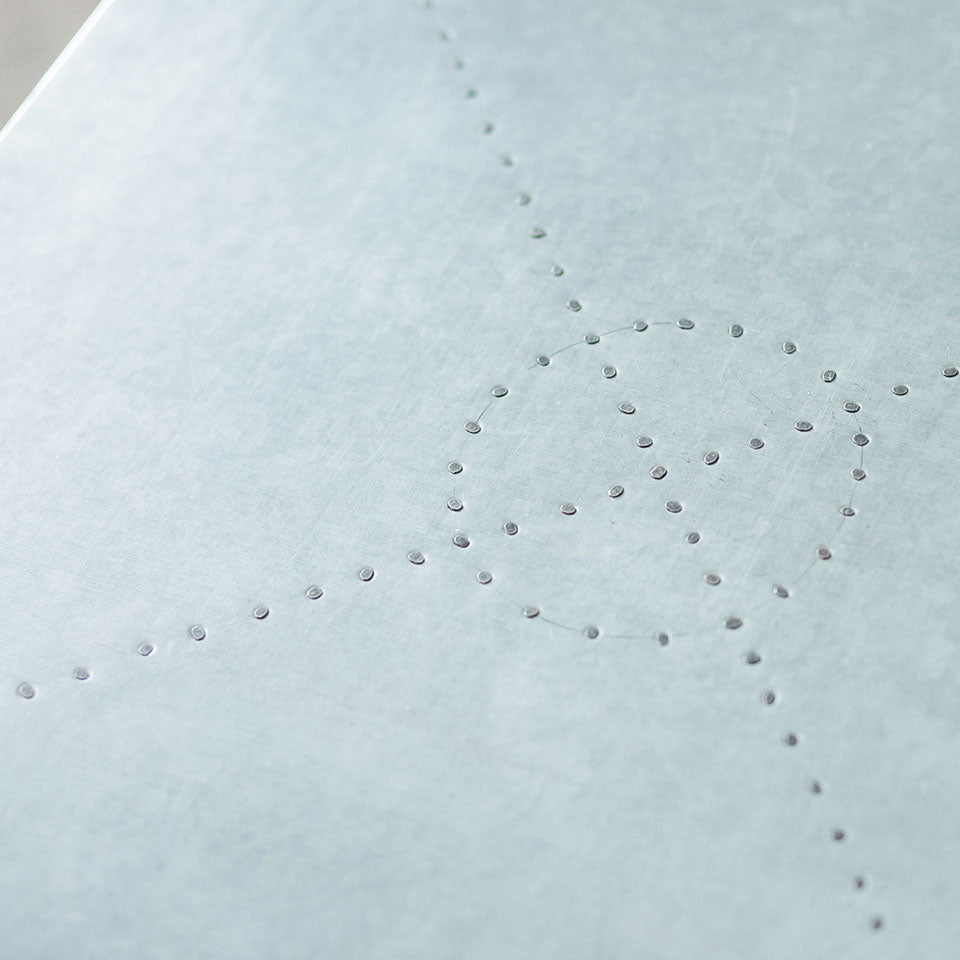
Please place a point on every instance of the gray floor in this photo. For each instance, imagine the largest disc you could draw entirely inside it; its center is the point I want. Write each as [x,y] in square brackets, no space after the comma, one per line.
[32,33]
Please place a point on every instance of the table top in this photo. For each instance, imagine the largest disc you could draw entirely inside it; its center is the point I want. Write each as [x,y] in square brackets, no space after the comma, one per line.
[479,482]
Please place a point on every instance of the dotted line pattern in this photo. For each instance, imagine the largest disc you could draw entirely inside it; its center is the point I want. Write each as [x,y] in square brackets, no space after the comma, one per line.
[28,691]
[823,553]
[658,472]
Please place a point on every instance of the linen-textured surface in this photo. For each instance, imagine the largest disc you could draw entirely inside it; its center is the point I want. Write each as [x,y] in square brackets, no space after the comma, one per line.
[261,264]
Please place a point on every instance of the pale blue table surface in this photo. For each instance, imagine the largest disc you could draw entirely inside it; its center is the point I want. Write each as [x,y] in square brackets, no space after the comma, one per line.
[261,262]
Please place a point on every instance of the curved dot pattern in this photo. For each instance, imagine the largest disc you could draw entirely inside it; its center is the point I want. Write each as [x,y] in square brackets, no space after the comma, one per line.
[197,632]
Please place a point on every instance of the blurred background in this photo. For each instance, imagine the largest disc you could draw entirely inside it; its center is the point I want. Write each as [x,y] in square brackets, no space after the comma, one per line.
[32,34]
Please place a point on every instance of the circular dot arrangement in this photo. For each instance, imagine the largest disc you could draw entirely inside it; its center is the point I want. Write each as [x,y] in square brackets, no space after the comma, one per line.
[735,331]
[661,471]
[28,691]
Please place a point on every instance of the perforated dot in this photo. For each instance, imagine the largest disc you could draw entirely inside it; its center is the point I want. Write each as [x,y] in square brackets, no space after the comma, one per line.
[828,376]
[499,391]
[685,324]
[591,632]
[537,232]
[644,442]
[791,740]
[780,591]
[523,199]
[557,270]
[851,406]
[626,407]
[471,426]
[574,305]
[197,632]
[27,691]
[769,698]
[789,347]
[736,330]
[366,574]
[510,528]
[752,658]
[662,638]
[901,389]
[804,426]
[861,439]
[949,371]
[837,835]
[455,466]
[756,443]
[543,360]
[615,491]
[484,576]
[712,578]
[673,506]
[145,649]
[847,511]
[877,923]
[640,326]
[824,553]
[693,537]
[461,540]
[261,612]
[711,457]
[455,504]
[416,557]
[658,473]
[81,673]
[609,372]
[591,338]
[733,623]
[568,509]
[531,612]
[858,474]
[313,592]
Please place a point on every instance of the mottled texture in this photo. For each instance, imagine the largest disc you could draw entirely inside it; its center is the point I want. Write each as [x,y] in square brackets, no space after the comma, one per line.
[268,264]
